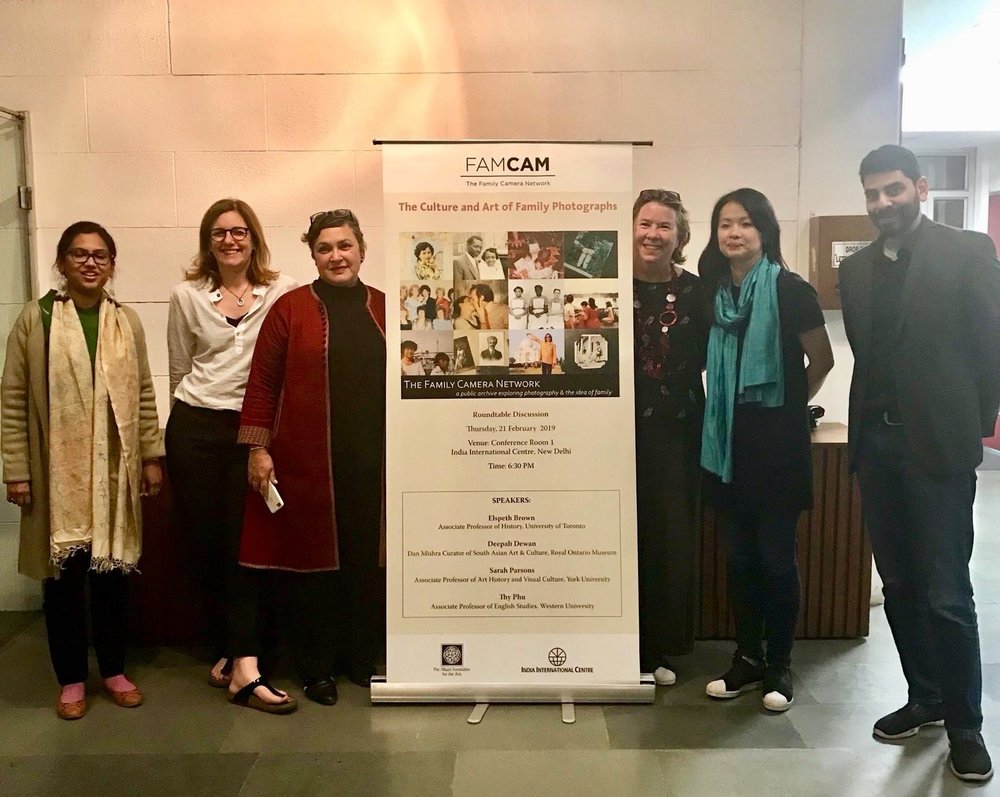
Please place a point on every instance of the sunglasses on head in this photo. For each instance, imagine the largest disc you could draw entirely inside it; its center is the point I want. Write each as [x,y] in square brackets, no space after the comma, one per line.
[339,214]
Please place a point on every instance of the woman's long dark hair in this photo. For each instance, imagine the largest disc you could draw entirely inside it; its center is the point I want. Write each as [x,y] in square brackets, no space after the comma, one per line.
[713,266]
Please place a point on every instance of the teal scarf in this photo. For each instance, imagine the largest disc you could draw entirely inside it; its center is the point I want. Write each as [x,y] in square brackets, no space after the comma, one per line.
[755,376]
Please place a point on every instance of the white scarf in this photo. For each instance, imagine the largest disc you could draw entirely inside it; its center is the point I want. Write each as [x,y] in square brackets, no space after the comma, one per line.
[95,463]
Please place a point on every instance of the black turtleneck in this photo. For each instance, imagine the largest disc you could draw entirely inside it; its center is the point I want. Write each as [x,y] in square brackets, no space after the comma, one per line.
[356,361]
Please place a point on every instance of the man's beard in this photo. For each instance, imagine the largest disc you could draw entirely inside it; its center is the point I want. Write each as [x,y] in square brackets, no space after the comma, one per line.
[897,219]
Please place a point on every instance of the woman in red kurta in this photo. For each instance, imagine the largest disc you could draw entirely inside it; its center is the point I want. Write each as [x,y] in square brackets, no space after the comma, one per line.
[314,416]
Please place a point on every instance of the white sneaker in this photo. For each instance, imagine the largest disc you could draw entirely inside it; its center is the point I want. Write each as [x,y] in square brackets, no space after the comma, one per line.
[664,676]
[775,701]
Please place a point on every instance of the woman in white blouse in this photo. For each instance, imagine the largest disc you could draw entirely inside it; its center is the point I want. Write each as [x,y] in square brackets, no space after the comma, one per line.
[490,267]
[215,315]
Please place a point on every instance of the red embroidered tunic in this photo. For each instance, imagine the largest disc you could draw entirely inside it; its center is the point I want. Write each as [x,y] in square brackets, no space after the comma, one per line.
[287,409]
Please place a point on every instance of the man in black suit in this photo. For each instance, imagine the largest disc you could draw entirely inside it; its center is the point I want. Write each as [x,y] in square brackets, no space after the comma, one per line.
[922,314]
[491,352]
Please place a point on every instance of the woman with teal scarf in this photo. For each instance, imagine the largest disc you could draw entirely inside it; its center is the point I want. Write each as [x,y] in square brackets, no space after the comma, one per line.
[755,439]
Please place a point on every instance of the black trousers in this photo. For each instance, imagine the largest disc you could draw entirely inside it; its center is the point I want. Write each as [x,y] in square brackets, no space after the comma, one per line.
[208,473]
[333,620]
[65,602]
[922,534]
[763,575]
[668,482]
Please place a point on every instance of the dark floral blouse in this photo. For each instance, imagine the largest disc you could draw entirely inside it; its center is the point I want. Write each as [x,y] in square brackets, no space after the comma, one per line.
[672,321]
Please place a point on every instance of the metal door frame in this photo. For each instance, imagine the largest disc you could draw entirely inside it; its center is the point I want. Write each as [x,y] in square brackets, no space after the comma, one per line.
[23,118]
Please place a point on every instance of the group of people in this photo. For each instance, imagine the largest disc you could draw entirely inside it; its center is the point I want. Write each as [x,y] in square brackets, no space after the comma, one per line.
[752,325]
[268,380]
[921,308]
[276,386]
[420,311]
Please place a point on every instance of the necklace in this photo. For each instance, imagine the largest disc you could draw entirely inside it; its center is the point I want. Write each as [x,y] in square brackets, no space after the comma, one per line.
[652,349]
[239,299]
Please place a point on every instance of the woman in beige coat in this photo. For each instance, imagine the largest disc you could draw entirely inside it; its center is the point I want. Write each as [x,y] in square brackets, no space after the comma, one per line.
[81,442]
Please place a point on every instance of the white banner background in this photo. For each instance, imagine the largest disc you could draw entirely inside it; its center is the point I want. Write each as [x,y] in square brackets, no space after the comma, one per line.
[511,493]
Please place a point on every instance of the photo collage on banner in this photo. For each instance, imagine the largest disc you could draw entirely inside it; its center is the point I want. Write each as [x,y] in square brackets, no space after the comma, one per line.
[542,303]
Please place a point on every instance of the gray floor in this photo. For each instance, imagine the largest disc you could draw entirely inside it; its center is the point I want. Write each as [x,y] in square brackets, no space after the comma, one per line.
[186,740]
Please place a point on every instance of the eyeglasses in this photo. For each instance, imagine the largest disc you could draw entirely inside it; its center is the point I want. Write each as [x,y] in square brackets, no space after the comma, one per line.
[80,256]
[338,214]
[218,234]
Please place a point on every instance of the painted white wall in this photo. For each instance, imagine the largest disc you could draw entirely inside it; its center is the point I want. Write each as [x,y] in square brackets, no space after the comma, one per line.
[145,112]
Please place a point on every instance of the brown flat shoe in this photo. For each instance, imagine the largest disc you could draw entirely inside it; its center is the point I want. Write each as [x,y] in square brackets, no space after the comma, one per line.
[130,699]
[71,711]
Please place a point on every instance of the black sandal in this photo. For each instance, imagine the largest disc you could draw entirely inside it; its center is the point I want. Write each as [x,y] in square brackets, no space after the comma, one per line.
[246,697]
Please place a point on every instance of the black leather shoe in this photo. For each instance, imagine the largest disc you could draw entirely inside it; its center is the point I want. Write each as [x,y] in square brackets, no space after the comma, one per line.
[362,678]
[322,690]
[360,672]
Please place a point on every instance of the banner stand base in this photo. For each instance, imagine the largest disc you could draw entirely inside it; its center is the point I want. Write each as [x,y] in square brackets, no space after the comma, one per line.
[382,691]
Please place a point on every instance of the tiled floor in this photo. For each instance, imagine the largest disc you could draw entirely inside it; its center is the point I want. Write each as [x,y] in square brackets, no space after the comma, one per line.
[187,740]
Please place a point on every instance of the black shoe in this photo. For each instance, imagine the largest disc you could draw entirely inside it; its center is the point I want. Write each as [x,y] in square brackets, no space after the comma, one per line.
[362,679]
[908,720]
[744,675]
[777,687]
[970,759]
[322,690]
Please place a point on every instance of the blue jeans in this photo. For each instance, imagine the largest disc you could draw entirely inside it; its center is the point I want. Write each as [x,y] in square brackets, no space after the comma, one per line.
[921,531]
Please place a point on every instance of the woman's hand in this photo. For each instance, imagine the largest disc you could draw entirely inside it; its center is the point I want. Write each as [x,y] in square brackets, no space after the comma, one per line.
[152,478]
[260,470]
[19,493]
[819,353]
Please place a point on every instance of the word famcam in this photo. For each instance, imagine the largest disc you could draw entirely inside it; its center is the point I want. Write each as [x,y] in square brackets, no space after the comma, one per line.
[506,164]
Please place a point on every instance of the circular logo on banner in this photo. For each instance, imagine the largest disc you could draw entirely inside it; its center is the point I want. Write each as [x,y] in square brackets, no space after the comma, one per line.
[451,654]
[557,657]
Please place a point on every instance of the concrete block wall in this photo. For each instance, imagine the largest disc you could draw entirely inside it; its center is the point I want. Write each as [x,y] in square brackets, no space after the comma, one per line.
[145,112]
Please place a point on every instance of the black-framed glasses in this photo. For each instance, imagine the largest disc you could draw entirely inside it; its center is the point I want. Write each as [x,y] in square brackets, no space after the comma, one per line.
[218,234]
[339,214]
[101,257]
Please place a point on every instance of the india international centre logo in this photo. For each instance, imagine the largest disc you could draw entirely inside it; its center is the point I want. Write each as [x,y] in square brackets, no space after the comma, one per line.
[557,657]
[451,655]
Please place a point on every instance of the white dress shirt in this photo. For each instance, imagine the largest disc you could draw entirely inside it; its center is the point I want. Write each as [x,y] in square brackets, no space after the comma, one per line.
[210,358]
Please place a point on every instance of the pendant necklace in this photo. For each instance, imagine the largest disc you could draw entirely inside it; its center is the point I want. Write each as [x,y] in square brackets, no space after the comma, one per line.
[239,299]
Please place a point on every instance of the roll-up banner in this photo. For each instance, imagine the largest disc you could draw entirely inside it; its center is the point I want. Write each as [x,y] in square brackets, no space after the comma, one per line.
[510,468]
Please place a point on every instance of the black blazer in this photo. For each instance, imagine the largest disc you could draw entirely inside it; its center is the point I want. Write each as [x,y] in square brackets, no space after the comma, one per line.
[948,365]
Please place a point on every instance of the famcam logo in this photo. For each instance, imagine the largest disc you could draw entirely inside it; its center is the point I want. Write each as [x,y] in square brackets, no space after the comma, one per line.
[506,166]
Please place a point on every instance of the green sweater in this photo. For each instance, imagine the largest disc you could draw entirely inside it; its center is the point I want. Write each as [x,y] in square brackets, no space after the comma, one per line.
[89,320]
